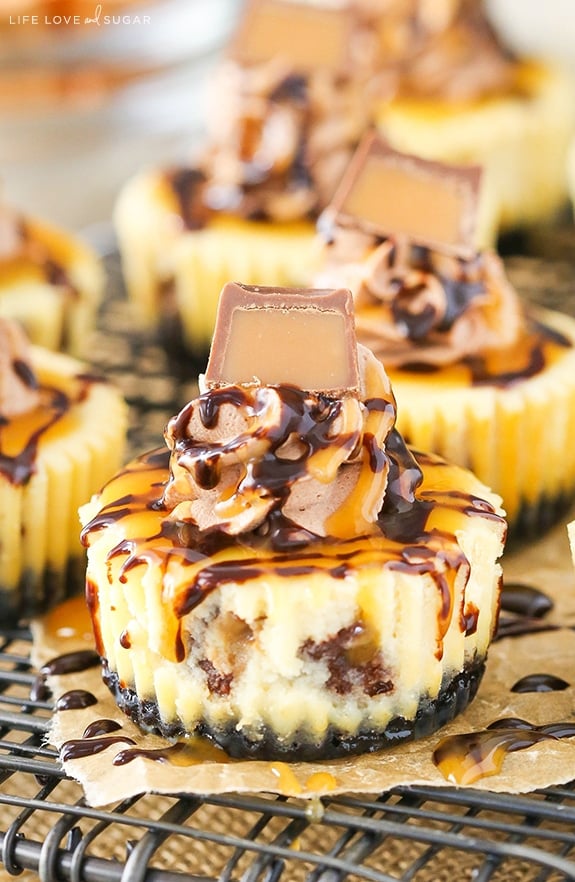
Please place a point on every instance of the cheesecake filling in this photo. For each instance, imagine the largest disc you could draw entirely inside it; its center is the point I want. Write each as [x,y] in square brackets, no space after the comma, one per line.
[280,621]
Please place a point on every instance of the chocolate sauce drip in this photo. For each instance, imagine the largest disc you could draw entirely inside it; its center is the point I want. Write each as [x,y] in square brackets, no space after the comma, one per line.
[537,336]
[23,370]
[530,606]
[293,88]
[525,600]
[403,516]
[535,360]
[39,690]
[467,757]
[71,663]
[101,727]
[76,699]
[540,683]
[182,753]
[459,294]
[519,627]
[210,406]
[421,318]
[82,747]
[469,619]
[20,468]
[93,604]
[37,252]
[155,754]
[482,376]
[189,185]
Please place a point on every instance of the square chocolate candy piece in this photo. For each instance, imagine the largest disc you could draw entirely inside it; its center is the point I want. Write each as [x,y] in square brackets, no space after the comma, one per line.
[308,37]
[393,194]
[303,337]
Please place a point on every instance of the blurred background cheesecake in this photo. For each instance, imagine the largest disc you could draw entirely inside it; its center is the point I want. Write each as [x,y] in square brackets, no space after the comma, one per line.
[82,107]
[85,102]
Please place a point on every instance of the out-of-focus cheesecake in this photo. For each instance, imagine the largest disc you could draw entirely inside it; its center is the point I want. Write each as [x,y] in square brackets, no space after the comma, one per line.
[50,281]
[479,378]
[61,436]
[461,96]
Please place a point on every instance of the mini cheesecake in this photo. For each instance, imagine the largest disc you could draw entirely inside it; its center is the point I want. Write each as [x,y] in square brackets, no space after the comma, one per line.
[287,578]
[50,281]
[479,378]
[291,101]
[462,96]
[61,435]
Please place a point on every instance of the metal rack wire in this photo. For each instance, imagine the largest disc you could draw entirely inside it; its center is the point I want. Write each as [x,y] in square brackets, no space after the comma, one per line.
[416,833]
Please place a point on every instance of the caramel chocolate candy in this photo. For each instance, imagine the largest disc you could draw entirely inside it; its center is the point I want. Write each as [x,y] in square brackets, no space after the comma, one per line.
[393,194]
[302,337]
[308,37]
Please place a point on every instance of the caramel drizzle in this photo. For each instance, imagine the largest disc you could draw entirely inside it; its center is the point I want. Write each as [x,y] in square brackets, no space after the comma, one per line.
[538,347]
[186,558]
[20,466]
[466,758]
[21,437]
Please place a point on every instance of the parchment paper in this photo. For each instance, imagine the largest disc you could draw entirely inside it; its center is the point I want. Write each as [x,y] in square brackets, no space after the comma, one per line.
[546,564]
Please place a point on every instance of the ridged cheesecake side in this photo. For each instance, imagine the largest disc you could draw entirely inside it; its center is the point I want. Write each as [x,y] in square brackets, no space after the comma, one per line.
[47,472]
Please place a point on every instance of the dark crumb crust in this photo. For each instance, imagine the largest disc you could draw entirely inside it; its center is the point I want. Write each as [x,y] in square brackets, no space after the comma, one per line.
[36,593]
[453,698]
[537,517]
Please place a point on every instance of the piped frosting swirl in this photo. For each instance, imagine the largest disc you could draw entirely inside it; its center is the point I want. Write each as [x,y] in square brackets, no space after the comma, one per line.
[278,459]
[19,391]
[431,308]
[282,138]
[440,49]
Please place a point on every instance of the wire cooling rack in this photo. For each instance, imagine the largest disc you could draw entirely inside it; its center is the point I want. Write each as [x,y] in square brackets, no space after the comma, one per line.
[415,833]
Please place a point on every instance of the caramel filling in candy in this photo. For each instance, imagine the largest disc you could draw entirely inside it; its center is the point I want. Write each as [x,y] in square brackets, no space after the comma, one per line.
[310,37]
[399,195]
[272,336]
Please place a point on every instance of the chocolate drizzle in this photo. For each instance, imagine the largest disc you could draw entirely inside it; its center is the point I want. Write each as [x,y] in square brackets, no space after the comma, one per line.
[68,663]
[189,185]
[75,699]
[467,757]
[404,543]
[528,607]
[19,467]
[29,430]
[540,683]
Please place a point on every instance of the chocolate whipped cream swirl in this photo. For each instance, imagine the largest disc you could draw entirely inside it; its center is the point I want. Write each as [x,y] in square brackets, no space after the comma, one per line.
[19,393]
[247,458]
[282,138]
[440,49]
[430,308]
